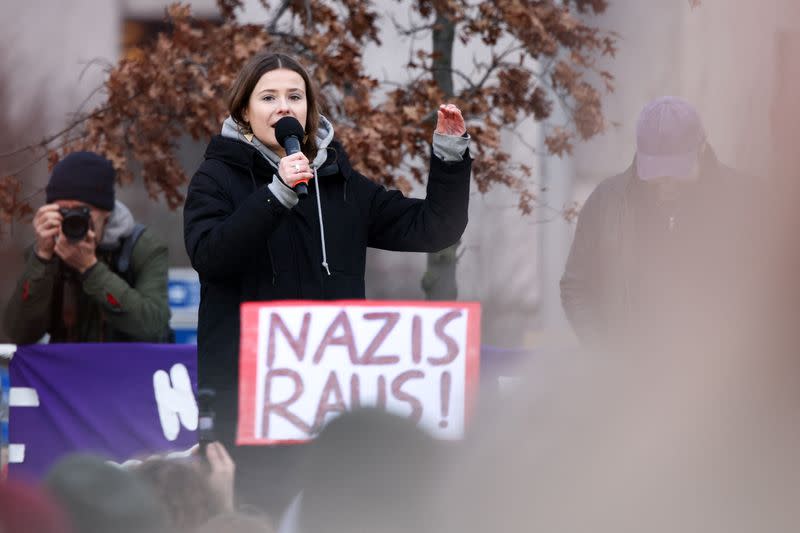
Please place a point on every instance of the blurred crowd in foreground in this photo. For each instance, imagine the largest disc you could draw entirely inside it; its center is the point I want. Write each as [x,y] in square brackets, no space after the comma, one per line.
[685,443]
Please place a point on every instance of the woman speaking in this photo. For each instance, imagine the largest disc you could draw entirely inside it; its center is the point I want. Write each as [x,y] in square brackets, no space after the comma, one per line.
[251,237]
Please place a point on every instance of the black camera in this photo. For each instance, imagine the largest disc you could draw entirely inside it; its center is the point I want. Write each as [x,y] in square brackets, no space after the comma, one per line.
[75,222]
[205,418]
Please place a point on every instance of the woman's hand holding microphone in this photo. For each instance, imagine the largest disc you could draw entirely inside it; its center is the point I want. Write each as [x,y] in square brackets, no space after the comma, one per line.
[294,169]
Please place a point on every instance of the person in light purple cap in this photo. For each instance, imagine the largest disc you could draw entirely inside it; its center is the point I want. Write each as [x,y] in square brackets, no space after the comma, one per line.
[670,139]
[650,242]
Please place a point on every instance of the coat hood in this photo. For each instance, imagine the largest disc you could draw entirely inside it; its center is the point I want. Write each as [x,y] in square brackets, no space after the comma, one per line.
[231,130]
[120,225]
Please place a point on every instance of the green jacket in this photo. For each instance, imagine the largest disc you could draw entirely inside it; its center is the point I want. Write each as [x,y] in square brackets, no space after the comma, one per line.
[109,309]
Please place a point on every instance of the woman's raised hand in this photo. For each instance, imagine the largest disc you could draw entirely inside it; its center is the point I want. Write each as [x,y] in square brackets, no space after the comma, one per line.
[449,121]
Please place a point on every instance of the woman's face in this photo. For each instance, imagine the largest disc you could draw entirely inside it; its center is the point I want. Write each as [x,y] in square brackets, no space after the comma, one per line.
[279,93]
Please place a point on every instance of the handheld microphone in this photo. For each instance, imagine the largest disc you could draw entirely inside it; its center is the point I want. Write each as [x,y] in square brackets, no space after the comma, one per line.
[288,132]
[205,419]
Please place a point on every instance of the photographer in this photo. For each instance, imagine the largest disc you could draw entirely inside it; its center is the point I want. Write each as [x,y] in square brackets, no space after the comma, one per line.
[93,274]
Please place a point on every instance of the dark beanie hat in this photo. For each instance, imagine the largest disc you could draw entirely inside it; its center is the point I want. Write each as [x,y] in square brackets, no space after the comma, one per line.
[83,176]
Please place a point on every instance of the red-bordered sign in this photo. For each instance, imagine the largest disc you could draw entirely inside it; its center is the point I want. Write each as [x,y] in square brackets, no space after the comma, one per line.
[303,362]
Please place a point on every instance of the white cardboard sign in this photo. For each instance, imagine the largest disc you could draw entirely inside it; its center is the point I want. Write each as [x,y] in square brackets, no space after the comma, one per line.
[303,363]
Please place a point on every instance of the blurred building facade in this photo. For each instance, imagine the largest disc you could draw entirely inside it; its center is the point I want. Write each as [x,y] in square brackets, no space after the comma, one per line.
[734,64]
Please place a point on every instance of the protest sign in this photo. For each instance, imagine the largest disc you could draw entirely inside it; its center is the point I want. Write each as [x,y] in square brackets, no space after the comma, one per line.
[302,363]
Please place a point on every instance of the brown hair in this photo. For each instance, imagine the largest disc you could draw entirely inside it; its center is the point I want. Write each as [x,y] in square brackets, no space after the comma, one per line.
[183,490]
[260,64]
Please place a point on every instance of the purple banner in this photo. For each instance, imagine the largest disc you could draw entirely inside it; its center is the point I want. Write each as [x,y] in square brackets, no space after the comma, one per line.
[122,401]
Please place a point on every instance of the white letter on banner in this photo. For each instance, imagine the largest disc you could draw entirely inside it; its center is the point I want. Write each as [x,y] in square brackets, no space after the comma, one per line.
[23,397]
[16,453]
[20,397]
[175,401]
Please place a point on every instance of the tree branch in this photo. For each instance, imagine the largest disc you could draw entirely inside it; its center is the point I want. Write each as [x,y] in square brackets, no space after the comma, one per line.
[413,30]
[521,139]
[460,74]
[273,24]
[497,62]
[47,140]
[80,111]
[309,15]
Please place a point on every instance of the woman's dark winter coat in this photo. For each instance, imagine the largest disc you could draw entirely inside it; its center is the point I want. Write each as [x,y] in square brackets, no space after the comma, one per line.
[246,246]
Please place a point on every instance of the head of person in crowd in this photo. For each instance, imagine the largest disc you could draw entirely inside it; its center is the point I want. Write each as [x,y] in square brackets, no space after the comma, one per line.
[28,509]
[368,470]
[270,87]
[99,497]
[182,488]
[670,144]
[192,488]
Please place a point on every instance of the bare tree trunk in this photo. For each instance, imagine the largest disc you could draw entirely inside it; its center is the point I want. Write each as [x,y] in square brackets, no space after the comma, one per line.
[439,281]
[444,33]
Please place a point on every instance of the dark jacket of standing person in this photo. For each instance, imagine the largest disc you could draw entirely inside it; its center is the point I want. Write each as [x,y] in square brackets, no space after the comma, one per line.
[250,239]
[650,264]
[109,286]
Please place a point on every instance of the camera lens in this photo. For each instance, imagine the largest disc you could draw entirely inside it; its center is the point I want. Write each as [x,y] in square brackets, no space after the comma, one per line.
[75,223]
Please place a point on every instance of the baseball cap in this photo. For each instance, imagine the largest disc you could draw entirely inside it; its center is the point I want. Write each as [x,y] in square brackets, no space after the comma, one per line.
[669,136]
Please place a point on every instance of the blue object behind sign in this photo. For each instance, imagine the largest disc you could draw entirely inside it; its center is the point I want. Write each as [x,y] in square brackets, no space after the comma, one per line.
[4,388]
[183,293]
[185,335]
[184,301]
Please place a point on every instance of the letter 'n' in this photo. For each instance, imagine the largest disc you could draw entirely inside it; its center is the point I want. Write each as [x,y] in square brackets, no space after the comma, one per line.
[298,344]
